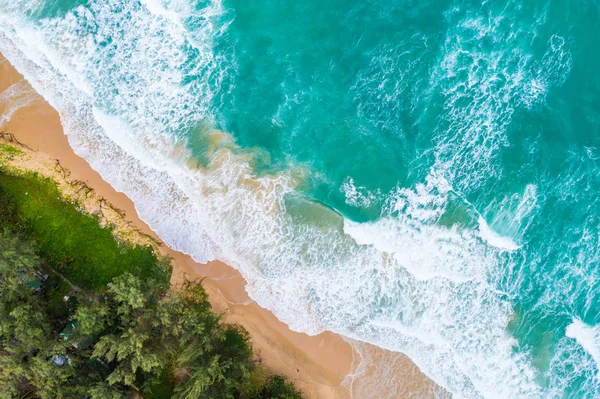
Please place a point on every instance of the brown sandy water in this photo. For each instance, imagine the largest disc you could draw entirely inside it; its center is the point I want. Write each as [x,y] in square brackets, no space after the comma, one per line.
[318,365]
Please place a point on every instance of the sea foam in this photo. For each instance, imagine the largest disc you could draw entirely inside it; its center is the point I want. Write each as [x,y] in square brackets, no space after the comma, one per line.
[15,96]
[493,238]
[588,337]
[128,79]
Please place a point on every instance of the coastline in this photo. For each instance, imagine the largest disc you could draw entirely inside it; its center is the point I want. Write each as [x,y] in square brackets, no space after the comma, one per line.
[317,365]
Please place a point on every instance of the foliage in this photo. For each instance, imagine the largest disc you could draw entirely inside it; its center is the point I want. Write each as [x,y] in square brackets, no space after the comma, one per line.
[8,150]
[253,387]
[28,344]
[125,332]
[52,292]
[261,385]
[277,388]
[70,241]
[103,390]
[177,329]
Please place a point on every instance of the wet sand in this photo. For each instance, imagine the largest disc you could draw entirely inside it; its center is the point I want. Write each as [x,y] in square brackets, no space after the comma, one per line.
[317,364]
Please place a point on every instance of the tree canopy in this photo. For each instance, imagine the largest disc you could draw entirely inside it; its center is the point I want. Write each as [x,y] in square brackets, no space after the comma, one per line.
[84,315]
[130,337]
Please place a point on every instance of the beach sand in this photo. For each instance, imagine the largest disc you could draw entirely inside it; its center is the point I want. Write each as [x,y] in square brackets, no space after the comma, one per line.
[317,365]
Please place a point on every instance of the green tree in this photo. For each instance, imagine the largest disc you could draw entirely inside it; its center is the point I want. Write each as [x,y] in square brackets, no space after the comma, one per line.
[277,388]
[51,372]
[103,390]
[177,331]
[23,325]
[132,347]
[92,317]
[134,336]
[216,358]
[31,356]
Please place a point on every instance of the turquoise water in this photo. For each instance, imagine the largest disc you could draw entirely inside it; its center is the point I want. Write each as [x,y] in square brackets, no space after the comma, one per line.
[422,176]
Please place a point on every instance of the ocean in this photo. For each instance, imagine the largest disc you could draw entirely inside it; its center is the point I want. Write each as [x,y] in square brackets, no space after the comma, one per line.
[423,176]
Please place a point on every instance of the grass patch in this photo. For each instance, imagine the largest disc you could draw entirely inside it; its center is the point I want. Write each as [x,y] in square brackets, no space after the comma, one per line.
[8,150]
[70,241]
[165,344]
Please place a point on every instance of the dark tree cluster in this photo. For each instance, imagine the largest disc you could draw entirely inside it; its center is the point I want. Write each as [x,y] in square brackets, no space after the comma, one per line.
[84,315]
[133,337]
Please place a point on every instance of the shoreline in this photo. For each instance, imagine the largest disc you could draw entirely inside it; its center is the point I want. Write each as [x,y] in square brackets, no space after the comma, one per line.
[317,365]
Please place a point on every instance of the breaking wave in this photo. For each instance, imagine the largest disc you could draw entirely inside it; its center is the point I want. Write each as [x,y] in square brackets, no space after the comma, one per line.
[135,84]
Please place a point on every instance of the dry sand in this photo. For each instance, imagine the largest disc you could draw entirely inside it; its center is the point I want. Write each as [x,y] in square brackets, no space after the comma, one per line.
[316,364]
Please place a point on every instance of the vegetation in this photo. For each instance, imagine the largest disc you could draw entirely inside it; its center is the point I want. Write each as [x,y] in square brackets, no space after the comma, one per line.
[85,316]
[9,150]
[70,241]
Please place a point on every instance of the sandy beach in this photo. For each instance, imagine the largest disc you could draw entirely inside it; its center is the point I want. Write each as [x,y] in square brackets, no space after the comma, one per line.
[317,365]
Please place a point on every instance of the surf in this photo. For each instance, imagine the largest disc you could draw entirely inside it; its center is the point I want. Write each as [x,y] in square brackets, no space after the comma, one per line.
[425,253]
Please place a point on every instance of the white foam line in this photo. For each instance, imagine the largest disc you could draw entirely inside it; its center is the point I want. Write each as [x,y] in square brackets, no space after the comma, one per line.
[14,97]
[588,337]
[123,107]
